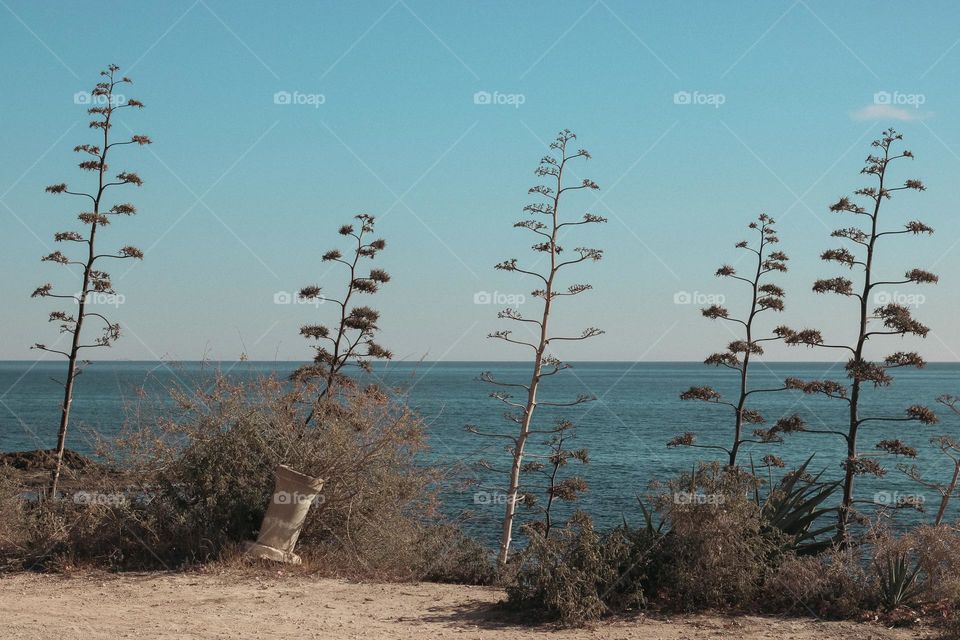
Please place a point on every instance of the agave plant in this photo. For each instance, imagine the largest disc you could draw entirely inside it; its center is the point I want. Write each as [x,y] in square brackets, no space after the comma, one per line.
[794,507]
[900,582]
[648,528]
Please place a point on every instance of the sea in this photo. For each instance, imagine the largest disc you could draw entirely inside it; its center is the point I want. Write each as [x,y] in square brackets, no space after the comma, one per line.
[637,409]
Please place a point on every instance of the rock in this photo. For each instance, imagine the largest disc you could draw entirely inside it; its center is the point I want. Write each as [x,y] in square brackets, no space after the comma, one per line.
[45,460]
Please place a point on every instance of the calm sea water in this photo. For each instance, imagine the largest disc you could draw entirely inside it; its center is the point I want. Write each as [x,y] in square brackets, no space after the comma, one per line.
[626,429]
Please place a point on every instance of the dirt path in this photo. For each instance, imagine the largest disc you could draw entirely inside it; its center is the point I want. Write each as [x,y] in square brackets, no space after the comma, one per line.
[231,605]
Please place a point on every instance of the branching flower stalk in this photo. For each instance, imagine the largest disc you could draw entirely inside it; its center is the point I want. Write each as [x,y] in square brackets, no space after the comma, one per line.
[352,339]
[548,466]
[765,296]
[95,281]
[552,168]
[949,446]
[895,319]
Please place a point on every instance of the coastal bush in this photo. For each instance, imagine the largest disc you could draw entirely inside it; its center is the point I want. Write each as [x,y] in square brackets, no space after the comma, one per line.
[579,575]
[446,554]
[717,551]
[919,566]
[938,553]
[194,482]
[831,585]
[97,525]
[718,546]
[12,519]
[210,472]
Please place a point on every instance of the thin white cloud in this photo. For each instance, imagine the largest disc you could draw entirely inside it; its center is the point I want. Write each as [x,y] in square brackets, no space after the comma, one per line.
[888,112]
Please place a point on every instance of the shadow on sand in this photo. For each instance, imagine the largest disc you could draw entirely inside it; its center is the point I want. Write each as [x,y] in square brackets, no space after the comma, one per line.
[480,614]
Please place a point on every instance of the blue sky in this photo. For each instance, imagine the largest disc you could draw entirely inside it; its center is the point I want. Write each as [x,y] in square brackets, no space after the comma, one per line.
[243,195]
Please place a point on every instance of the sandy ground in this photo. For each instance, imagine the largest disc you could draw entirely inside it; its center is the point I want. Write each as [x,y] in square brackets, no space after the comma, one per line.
[242,606]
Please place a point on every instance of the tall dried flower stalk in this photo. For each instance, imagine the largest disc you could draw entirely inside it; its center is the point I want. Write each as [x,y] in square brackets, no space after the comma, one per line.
[544,364]
[351,340]
[764,296]
[894,320]
[95,281]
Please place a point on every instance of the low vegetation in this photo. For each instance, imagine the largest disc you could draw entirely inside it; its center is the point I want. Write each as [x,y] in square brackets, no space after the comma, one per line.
[190,485]
[724,551]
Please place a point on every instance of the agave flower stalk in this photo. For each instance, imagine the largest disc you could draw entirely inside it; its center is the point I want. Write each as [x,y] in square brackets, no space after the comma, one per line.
[764,296]
[547,224]
[95,281]
[555,486]
[949,446]
[885,319]
[352,339]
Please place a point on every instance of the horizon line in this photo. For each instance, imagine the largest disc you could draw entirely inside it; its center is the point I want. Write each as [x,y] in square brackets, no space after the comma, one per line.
[389,362]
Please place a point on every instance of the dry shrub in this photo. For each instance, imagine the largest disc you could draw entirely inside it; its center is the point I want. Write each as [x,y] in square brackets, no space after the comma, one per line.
[195,481]
[210,470]
[446,554]
[13,529]
[832,585]
[844,583]
[94,526]
[938,553]
[717,552]
[577,575]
